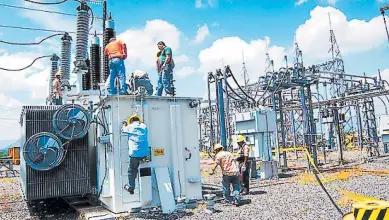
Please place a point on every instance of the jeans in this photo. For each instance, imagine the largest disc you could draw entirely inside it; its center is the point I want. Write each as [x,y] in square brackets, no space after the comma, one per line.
[133,171]
[165,81]
[234,181]
[117,69]
[145,83]
[57,101]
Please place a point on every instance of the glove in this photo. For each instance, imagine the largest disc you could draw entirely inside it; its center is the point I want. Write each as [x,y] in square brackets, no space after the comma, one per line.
[243,168]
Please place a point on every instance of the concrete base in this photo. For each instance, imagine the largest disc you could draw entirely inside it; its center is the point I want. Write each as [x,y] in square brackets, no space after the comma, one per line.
[268,169]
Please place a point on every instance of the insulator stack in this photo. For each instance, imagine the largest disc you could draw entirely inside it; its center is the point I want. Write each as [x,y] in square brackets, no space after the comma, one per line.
[54,69]
[82,32]
[95,63]
[109,32]
[65,56]
[86,77]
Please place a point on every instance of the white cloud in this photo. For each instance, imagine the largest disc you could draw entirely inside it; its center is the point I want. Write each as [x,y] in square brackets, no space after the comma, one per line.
[181,58]
[7,102]
[300,2]
[229,51]
[215,24]
[184,72]
[202,33]
[31,80]
[332,2]
[142,44]
[49,20]
[353,36]
[203,3]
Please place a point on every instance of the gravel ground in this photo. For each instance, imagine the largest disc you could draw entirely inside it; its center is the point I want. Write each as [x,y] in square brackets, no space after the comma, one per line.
[284,198]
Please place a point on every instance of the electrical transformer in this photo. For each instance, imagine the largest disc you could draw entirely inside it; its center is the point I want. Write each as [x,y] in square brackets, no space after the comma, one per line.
[172,128]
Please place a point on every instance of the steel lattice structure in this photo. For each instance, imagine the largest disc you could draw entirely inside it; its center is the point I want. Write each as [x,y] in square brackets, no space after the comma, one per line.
[316,106]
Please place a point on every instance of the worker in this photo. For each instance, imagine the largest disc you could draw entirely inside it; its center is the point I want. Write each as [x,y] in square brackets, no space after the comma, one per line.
[230,172]
[165,70]
[157,62]
[244,163]
[57,97]
[138,147]
[116,51]
[140,78]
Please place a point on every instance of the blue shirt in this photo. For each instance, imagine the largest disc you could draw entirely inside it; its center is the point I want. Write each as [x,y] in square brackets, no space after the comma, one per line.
[138,143]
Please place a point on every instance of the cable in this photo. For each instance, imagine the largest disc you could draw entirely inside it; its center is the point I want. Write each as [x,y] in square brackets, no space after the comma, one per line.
[40,10]
[236,93]
[233,77]
[46,3]
[39,29]
[36,29]
[24,44]
[26,66]
[329,196]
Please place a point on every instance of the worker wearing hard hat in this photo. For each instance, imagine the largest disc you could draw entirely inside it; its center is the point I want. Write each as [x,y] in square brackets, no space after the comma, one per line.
[230,171]
[140,78]
[138,147]
[116,51]
[57,98]
[165,70]
[244,163]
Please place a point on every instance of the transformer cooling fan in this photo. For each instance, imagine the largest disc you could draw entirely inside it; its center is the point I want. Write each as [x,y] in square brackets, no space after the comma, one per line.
[43,151]
[71,121]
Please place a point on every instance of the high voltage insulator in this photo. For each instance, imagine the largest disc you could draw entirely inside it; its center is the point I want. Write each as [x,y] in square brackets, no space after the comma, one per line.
[82,32]
[109,32]
[54,69]
[95,66]
[65,56]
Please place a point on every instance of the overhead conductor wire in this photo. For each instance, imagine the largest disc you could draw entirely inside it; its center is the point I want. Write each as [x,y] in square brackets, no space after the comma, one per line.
[26,44]
[5,69]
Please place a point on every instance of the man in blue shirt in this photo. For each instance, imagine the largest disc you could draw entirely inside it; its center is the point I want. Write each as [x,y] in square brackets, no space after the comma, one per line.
[165,69]
[138,147]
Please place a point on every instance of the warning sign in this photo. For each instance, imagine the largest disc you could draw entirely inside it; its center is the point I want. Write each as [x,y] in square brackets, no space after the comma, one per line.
[159,152]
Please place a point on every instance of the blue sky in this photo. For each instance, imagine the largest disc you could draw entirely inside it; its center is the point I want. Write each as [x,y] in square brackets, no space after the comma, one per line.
[224,28]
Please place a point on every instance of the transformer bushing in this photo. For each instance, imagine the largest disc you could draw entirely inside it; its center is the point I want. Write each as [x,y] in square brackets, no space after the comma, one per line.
[86,84]
[54,68]
[109,32]
[95,65]
[82,32]
[65,56]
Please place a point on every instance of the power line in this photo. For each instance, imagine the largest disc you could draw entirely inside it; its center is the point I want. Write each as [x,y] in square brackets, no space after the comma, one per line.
[25,44]
[40,29]
[26,66]
[36,29]
[40,10]
[46,3]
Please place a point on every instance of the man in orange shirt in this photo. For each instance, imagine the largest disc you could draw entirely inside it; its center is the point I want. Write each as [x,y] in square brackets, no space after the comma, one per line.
[116,51]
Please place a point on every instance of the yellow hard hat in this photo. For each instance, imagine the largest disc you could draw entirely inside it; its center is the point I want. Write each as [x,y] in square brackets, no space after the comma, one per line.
[58,73]
[132,117]
[240,138]
[217,146]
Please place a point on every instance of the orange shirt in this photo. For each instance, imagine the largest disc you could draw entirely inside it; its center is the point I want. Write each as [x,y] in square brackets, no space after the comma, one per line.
[227,163]
[116,49]
[56,87]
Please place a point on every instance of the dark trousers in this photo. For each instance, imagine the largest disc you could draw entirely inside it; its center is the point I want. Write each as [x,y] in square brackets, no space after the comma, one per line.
[227,181]
[133,171]
[246,177]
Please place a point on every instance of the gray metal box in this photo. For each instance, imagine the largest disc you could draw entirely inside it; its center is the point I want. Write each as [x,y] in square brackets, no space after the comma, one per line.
[71,177]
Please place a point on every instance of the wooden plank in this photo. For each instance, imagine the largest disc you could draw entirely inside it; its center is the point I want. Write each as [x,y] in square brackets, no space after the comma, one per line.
[165,190]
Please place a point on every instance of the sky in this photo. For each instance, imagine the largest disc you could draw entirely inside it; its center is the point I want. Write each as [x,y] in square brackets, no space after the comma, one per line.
[204,35]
